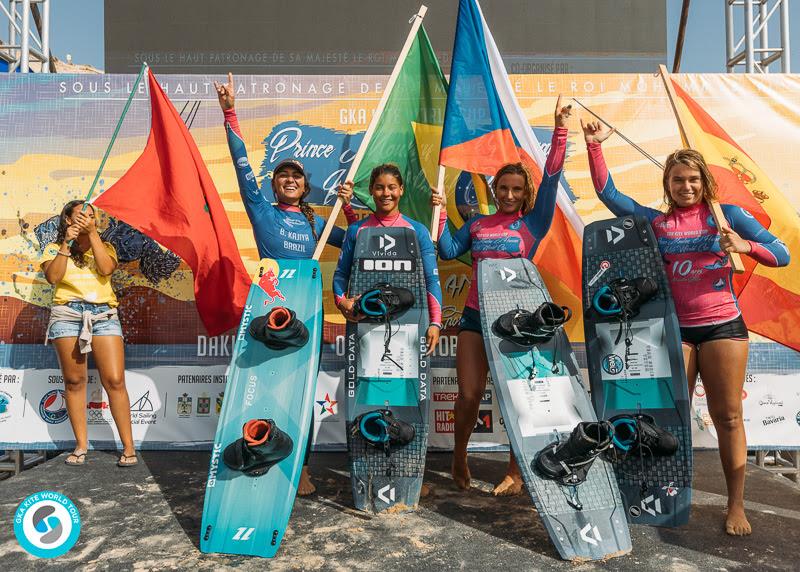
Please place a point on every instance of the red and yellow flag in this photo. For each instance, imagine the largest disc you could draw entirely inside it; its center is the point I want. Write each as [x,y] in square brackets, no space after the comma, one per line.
[768,297]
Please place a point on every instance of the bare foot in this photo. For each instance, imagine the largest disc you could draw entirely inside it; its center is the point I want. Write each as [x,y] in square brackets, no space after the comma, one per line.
[305,487]
[510,486]
[736,523]
[461,474]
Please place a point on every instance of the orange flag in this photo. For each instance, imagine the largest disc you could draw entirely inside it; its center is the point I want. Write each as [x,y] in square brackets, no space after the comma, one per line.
[768,297]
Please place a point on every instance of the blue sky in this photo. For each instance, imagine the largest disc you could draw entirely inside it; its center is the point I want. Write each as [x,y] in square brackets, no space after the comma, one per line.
[77,29]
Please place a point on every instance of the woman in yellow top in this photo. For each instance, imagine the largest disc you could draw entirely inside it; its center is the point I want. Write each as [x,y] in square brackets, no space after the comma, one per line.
[83,319]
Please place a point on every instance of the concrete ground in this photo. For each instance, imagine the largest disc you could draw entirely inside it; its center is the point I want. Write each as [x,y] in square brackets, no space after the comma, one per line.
[148,518]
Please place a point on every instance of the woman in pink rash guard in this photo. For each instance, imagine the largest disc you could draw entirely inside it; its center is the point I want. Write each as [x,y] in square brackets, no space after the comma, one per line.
[695,253]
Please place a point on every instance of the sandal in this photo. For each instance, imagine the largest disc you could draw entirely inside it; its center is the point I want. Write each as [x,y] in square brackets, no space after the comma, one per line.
[125,462]
[80,459]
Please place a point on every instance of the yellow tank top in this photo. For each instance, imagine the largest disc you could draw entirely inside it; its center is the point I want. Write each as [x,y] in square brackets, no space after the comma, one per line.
[85,283]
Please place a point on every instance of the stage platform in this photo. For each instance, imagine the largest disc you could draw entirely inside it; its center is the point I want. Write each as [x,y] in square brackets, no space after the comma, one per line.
[148,518]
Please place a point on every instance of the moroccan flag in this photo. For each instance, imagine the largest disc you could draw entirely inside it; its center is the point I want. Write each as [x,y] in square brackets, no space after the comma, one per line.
[768,297]
[485,128]
[409,132]
[168,195]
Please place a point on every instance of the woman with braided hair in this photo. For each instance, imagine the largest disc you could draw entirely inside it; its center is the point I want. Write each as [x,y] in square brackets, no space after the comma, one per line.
[288,229]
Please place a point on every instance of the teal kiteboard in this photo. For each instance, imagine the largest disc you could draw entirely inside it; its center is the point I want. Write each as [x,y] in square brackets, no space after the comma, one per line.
[542,398]
[636,367]
[386,369]
[246,512]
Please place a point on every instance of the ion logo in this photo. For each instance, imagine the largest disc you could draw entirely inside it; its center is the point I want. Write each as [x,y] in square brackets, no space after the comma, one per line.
[47,524]
[386,265]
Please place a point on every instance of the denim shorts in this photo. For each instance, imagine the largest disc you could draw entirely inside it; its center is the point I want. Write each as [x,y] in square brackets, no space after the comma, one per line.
[73,329]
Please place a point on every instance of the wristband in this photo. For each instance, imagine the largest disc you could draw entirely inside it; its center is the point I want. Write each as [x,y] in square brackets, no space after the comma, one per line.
[63,253]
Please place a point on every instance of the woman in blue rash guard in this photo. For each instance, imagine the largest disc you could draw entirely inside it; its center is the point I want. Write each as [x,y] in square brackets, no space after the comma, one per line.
[288,229]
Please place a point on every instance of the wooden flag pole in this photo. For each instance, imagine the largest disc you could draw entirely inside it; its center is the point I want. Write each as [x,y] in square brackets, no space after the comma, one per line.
[716,210]
[351,173]
[438,208]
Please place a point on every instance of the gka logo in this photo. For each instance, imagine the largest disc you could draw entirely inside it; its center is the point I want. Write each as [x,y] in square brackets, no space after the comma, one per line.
[386,242]
[53,407]
[47,524]
[387,494]
[242,162]
[515,225]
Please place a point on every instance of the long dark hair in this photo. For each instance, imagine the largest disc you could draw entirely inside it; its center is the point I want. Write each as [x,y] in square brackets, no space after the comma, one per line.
[75,253]
[304,207]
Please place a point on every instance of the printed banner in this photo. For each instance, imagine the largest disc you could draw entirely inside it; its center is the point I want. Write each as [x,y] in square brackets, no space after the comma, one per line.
[55,128]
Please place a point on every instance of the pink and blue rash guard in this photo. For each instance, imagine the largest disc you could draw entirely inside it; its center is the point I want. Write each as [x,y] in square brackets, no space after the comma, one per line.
[507,235]
[280,231]
[341,278]
[697,269]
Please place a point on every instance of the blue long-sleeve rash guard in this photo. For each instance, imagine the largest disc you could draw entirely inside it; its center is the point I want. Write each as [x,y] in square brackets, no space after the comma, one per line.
[281,231]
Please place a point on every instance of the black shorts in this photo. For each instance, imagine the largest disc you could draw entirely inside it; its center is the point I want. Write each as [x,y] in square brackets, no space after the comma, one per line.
[733,330]
[470,320]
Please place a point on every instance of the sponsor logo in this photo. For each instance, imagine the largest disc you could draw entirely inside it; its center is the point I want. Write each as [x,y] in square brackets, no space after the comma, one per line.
[445,396]
[445,420]
[269,284]
[328,407]
[47,524]
[627,224]
[387,494]
[634,511]
[203,405]
[670,490]
[218,406]
[53,407]
[143,404]
[294,222]
[184,408]
[507,275]
[288,273]
[773,419]
[242,162]
[515,225]
[484,423]
[656,505]
[614,234]
[387,265]
[604,265]
[243,533]
[96,407]
[386,242]
[5,406]
[591,534]
[719,284]
[487,397]
[769,399]
[250,176]
[612,364]
[214,466]
[797,417]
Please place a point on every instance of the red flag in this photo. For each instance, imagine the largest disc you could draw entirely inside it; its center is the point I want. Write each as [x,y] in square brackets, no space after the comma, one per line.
[168,195]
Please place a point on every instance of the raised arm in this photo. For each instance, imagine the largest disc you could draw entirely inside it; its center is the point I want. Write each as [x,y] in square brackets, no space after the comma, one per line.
[451,245]
[255,203]
[621,205]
